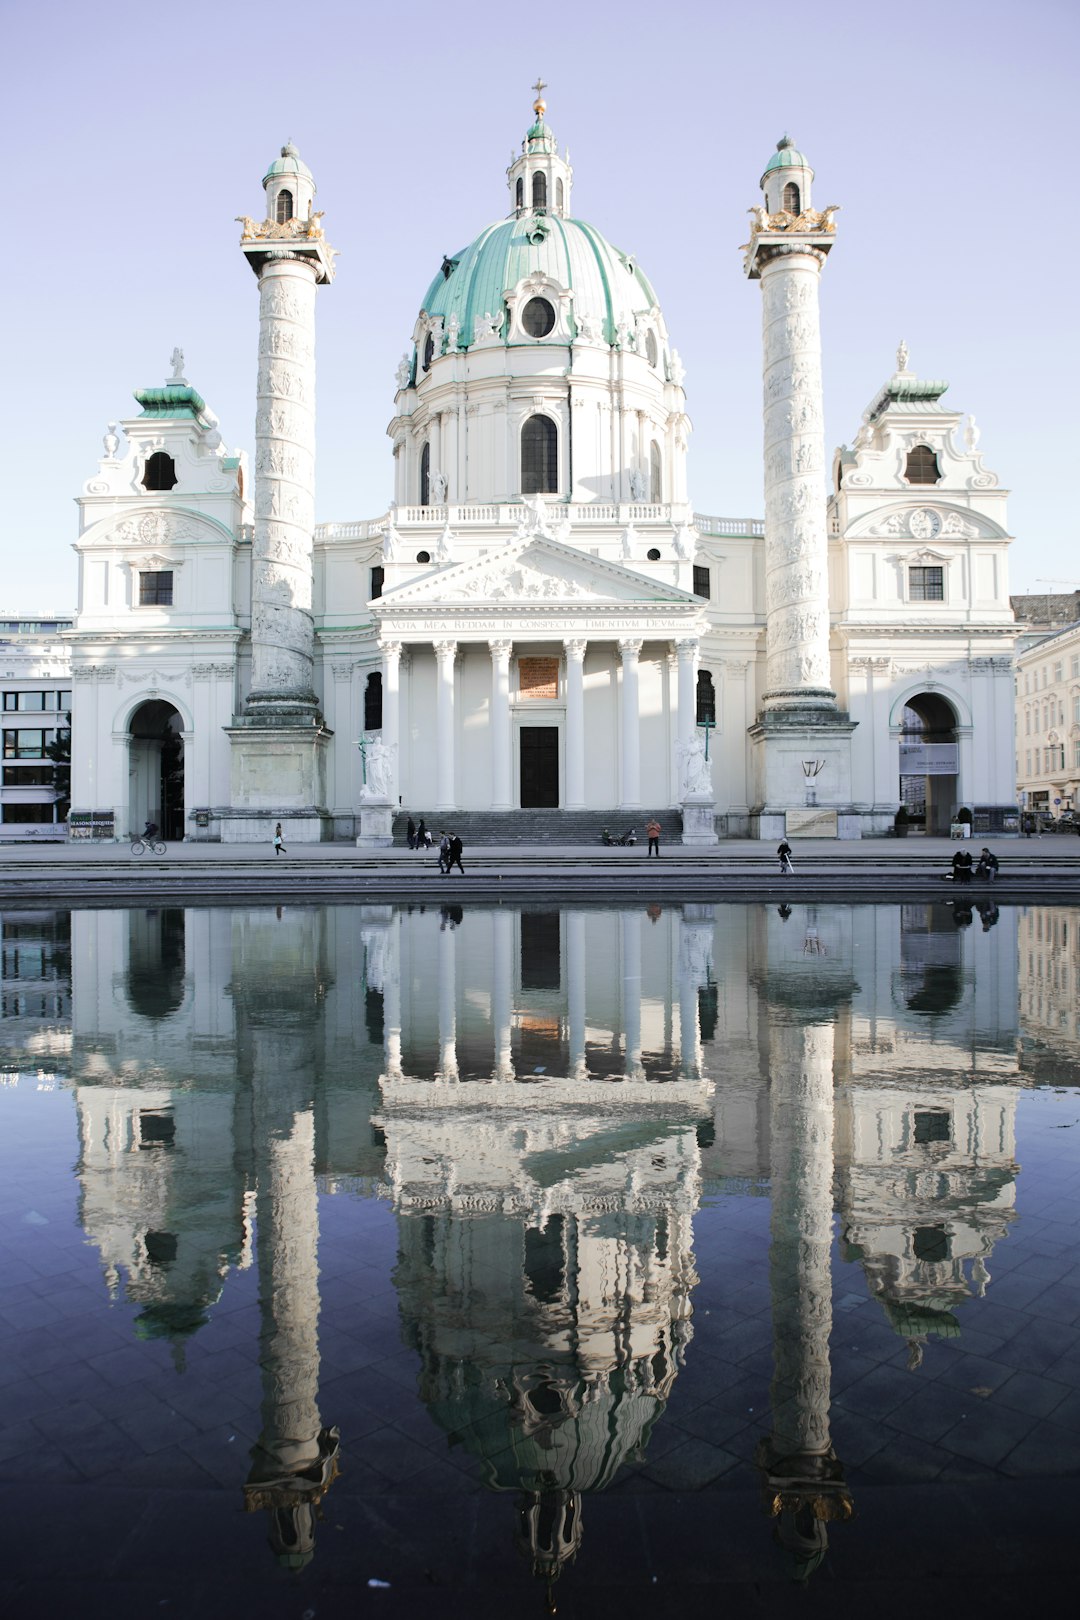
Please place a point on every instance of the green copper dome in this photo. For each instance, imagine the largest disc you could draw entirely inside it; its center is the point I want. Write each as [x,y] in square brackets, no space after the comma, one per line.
[607,286]
[786,156]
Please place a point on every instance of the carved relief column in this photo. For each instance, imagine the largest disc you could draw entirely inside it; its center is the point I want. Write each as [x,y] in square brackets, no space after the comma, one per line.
[501,797]
[630,791]
[445,654]
[575,724]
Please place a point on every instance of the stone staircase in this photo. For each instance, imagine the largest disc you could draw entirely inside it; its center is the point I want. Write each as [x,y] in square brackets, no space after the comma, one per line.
[565,829]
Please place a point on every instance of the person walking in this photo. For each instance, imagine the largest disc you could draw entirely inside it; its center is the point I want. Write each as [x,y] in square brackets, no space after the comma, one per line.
[652,832]
[453,855]
[422,836]
[444,853]
[410,833]
[279,841]
[783,849]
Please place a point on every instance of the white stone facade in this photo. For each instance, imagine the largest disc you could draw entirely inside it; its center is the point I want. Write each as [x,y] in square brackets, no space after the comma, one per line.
[539,618]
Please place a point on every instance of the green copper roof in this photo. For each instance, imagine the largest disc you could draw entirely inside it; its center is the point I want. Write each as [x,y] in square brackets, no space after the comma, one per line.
[786,156]
[290,162]
[606,284]
[171,401]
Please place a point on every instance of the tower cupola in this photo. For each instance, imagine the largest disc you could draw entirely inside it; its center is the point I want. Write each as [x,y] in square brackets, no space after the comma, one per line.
[540,179]
[289,186]
[787,179]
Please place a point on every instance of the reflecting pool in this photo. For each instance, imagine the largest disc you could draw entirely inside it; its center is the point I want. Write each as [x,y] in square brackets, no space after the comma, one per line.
[373,1257]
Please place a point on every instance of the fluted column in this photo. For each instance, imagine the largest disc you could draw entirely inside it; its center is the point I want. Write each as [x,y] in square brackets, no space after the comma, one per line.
[445,722]
[501,789]
[688,657]
[575,724]
[630,792]
[392,1000]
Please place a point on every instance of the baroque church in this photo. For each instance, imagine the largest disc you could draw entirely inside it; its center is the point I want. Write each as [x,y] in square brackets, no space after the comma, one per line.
[540,621]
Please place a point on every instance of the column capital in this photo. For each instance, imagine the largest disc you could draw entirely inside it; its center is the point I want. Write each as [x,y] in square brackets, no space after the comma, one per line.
[445,651]
[688,647]
[574,647]
[391,650]
[629,649]
[500,651]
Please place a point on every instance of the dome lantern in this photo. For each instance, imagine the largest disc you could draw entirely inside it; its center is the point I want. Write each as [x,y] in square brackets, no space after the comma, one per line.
[290,187]
[540,179]
[787,179]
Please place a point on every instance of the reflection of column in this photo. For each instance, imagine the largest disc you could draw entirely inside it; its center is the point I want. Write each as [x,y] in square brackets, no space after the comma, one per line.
[502,946]
[448,1068]
[295,1460]
[630,938]
[804,1479]
[630,795]
[575,724]
[392,999]
[445,653]
[391,651]
[500,725]
[692,974]
[575,992]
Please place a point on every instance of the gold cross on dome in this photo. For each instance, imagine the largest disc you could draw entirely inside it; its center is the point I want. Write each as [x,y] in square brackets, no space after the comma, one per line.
[539,87]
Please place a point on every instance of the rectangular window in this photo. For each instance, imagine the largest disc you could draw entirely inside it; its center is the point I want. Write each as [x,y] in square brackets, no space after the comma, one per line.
[926,584]
[28,812]
[1076,756]
[378,574]
[1027,762]
[932,1125]
[1059,672]
[701,581]
[26,744]
[28,775]
[28,702]
[1074,667]
[156,589]
[1027,722]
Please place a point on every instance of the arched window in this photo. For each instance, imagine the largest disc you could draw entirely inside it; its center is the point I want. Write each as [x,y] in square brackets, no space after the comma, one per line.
[425,476]
[429,351]
[284,206]
[706,698]
[539,190]
[373,703]
[539,456]
[651,353]
[656,474]
[791,198]
[519,193]
[159,472]
[922,466]
[560,196]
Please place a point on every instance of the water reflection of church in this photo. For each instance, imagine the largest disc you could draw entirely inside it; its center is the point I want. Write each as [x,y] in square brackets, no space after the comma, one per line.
[544,1097]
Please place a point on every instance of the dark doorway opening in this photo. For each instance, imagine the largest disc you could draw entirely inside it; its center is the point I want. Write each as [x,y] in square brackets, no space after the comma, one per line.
[539,767]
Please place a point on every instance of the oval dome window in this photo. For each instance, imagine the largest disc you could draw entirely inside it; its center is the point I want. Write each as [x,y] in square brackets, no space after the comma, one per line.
[538,317]
[423,556]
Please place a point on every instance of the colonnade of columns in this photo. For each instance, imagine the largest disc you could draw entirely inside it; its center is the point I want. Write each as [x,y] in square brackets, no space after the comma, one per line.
[503,797]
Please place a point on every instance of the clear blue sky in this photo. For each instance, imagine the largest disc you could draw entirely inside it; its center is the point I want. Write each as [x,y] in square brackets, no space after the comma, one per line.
[134,136]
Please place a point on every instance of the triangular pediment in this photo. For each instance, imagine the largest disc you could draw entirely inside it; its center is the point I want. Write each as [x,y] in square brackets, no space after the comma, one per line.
[536,571]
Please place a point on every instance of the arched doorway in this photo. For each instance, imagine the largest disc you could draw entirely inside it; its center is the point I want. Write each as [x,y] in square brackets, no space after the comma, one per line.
[929,762]
[156,768]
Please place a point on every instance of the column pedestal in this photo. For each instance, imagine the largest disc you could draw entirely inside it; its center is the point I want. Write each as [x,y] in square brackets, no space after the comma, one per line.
[277,773]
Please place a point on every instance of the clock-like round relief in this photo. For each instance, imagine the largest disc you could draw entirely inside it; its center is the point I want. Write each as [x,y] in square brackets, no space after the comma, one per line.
[538,317]
[924,523]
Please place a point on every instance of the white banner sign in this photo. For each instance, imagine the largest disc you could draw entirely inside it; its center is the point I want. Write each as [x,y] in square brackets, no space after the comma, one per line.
[928,759]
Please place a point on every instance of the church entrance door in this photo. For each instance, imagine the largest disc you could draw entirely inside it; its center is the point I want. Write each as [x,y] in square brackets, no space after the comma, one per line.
[539,767]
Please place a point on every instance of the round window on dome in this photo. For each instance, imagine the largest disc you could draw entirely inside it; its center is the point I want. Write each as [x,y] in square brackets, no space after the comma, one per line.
[423,556]
[653,554]
[538,317]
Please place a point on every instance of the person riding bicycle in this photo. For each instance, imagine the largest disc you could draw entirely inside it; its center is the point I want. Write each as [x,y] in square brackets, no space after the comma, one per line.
[150,831]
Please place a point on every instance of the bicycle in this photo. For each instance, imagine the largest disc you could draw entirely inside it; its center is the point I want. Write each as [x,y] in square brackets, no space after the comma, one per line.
[143,846]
